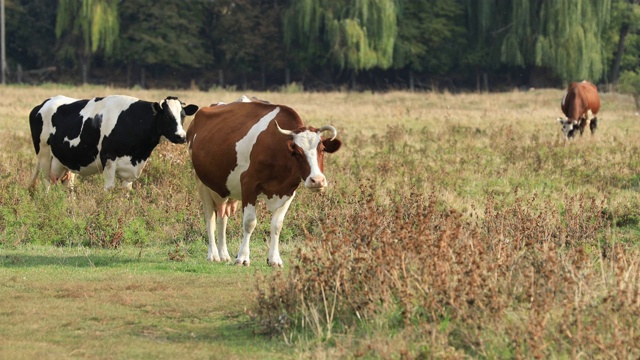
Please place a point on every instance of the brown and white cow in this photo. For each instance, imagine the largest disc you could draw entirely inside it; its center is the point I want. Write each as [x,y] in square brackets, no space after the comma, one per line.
[580,104]
[251,149]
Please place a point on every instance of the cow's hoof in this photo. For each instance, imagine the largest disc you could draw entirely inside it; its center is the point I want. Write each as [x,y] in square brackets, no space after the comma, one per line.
[210,259]
[274,263]
[243,262]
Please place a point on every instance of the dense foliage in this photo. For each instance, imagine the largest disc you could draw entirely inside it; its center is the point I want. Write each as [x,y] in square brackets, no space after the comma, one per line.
[379,44]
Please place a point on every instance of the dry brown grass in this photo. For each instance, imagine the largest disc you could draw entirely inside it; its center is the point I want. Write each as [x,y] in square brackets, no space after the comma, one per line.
[528,280]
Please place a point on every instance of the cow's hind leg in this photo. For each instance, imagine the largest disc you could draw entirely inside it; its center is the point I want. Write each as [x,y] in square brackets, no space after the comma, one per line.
[249,222]
[34,177]
[209,209]
[224,209]
[43,163]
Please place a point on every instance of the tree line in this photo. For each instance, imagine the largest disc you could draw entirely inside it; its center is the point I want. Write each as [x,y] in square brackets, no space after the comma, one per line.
[323,44]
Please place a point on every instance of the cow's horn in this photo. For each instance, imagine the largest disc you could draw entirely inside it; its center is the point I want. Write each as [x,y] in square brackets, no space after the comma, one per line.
[282,131]
[333,130]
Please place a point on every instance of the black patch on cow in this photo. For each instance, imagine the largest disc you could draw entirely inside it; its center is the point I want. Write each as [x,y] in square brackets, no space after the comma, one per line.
[69,125]
[135,134]
[36,124]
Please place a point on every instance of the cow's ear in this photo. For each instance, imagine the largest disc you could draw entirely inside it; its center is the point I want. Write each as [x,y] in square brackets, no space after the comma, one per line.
[291,146]
[561,121]
[331,146]
[157,108]
[190,109]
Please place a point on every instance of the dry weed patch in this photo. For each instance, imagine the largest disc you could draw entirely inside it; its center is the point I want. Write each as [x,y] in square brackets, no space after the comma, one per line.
[529,280]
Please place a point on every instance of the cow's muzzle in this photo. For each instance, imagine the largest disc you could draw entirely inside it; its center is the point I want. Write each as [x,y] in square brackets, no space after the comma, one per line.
[178,139]
[316,183]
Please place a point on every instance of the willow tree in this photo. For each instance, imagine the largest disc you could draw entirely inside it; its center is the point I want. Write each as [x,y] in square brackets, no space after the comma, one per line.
[430,37]
[85,27]
[565,36]
[354,34]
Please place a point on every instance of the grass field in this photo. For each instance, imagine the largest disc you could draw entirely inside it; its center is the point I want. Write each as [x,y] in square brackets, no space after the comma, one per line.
[456,226]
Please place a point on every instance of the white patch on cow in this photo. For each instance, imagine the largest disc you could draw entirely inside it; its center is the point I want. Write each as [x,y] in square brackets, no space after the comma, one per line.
[122,168]
[243,152]
[109,109]
[308,141]
[93,168]
[47,112]
[176,109]
[244,99]
[564,97]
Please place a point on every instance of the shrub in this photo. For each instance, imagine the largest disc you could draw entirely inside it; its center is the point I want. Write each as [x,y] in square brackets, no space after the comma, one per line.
[630,84]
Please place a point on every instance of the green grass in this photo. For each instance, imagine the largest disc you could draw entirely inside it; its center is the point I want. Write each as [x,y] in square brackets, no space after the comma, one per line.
[60,302]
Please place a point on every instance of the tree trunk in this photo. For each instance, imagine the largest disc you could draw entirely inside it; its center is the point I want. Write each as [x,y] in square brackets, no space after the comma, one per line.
[287,76]
[615,68]
[485,78]
[412,86]
[143,78]
[353,81]
[85,66]
[129,67]
[221,78]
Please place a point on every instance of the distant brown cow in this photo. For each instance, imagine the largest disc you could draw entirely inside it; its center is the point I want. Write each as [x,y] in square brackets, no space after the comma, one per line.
[580,103]
[251,149]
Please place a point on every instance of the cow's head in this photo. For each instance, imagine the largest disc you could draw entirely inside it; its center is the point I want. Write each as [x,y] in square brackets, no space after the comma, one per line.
[171,113]
[307,146]
[569,127]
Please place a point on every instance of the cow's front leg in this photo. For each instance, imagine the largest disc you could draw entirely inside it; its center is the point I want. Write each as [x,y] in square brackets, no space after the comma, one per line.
[279,206]
[248,225]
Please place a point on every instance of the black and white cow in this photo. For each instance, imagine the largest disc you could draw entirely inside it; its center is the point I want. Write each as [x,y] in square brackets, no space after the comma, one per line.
[113,135]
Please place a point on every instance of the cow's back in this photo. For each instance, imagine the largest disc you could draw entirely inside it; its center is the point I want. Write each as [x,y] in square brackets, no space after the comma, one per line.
[591,94]
[579,99]
[218,133]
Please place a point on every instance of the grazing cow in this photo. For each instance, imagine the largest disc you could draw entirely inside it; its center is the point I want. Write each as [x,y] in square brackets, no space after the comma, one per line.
[580,103]
[249,149]
[113,135]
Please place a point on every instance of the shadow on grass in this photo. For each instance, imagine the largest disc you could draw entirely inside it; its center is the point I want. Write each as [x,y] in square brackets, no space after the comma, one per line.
[16,260]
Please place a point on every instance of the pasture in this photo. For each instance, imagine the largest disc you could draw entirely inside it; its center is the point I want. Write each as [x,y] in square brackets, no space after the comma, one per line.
[455,226]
